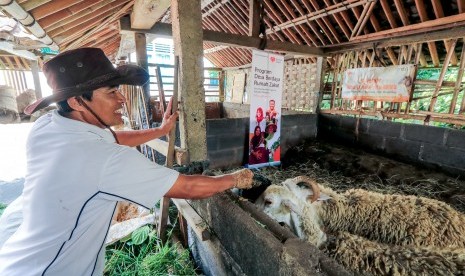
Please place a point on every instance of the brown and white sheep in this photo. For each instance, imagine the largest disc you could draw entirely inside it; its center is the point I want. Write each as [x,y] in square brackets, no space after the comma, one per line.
[386,218]
[387,253]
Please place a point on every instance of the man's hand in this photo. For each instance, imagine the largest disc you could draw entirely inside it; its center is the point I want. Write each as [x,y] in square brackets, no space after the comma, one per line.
[243,179]
[169,120]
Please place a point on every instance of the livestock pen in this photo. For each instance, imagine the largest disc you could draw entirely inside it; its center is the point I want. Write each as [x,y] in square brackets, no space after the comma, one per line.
[326,148]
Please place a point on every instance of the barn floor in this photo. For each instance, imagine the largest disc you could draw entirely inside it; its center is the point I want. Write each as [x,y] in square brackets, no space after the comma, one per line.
[342,168]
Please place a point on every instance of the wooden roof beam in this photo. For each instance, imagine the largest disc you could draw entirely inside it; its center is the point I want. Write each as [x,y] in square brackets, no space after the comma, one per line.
[32,4]
[103,24]
[312,26]
[254,18]
[362,20]
[388,13]
[402,12]
[145,13]
[229,39]
[439,29]
[324,23]
[276,17]
[52,7]
[461,6]
[420,5]
[76,11]
[439,12]
[96,16]
[330,10]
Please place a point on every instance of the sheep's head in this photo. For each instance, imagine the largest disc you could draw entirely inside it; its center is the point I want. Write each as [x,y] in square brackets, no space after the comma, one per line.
[281,204]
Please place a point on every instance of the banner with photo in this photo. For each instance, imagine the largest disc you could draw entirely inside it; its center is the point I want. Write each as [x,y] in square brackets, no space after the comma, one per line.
[389,84]
[265,109]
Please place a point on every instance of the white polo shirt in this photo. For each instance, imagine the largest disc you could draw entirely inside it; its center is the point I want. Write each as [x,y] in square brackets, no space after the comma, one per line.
[76,173]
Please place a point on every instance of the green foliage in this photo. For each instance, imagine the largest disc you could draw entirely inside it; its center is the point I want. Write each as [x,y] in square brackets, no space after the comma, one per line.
[144,254]
[2,208]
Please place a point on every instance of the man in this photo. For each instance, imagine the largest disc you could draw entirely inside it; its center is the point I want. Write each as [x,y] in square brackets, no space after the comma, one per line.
[77,171]
[271,113]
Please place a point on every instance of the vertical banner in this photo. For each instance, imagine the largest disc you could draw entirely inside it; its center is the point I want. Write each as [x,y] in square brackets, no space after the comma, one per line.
[265,109]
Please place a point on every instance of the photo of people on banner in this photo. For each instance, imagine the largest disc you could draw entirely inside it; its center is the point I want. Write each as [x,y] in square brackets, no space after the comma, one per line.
[265,110]
[264,144]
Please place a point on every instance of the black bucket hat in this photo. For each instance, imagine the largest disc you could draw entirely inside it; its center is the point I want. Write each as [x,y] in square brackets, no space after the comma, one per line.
[75,72]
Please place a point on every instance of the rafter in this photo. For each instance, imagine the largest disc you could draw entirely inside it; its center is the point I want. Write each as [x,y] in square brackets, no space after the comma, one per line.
[439,12]
[420,5]
[332,9]
[243,41]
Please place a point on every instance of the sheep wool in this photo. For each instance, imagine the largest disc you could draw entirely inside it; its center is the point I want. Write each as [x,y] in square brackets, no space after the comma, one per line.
[363,256]
[393,219]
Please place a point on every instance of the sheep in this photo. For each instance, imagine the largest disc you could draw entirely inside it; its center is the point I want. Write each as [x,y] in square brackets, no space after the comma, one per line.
[354,252]
[391,219]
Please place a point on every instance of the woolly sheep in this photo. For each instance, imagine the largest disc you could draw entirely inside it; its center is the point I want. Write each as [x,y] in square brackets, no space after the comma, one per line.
[391,219]
[289,204]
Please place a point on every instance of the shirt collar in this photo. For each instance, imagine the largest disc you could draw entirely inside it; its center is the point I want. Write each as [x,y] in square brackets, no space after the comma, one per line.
[79,126]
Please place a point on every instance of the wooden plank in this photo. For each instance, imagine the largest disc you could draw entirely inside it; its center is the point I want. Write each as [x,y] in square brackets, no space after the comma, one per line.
[32,4]
[81,23]
[103,24]
[194,220]
[146,13]
[235,40]
[85,16]
[51,7]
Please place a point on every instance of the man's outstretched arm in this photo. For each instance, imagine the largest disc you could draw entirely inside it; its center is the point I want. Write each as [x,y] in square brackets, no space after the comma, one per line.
[200,186]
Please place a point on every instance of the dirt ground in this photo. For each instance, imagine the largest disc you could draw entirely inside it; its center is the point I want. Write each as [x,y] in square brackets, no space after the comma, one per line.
[342,168]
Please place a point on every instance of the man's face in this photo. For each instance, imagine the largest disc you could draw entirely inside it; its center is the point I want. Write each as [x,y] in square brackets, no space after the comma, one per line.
[271,105]
[107,103]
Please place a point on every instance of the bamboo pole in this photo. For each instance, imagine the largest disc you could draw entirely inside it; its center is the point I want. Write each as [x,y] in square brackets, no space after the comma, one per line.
[450,51]
[458,82]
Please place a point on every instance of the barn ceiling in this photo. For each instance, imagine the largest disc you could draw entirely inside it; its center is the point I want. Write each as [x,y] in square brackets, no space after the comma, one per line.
[317,23]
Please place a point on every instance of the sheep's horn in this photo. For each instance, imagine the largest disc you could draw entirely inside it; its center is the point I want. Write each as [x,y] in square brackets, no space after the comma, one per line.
[311,184]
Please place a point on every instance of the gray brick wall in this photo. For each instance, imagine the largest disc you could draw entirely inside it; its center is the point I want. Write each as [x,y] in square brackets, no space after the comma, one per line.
[227,139]
[433,147]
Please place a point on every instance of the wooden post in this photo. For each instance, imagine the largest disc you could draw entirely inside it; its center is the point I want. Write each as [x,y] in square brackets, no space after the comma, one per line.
[187,37]
[165,202]
[141,55]
[254,18]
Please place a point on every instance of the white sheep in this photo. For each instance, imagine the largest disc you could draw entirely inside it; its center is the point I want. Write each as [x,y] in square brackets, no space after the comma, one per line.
[391,219]
[290,204]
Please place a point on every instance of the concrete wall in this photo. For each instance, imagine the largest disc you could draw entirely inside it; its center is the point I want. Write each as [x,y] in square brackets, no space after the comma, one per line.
[243,243]
[227,141]
[432,147]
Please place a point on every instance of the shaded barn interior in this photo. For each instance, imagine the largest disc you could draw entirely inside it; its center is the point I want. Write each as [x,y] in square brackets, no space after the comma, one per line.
[320,40]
